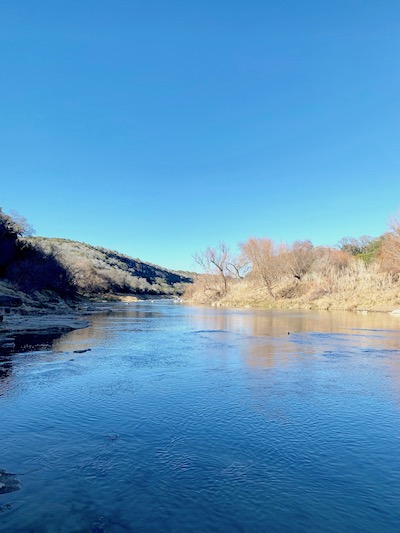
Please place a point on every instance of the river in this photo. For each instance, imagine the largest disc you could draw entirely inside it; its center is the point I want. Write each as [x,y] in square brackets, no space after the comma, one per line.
[191,419]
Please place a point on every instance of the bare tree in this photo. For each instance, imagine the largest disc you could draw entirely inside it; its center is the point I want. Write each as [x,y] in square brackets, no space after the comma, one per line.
[390,251]
[266,261]
[239,266]
[330,259]
[300,257]
[21,225]
[217,262]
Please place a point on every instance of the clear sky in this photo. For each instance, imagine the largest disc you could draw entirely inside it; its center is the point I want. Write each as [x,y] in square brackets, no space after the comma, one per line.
[157,128]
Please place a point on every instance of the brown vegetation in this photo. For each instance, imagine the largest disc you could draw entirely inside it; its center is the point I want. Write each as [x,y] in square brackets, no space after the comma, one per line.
[220,267]
[390,250]
[359,273]
[266,262]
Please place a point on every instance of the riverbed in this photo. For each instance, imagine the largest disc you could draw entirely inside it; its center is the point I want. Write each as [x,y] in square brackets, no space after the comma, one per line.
[162,417]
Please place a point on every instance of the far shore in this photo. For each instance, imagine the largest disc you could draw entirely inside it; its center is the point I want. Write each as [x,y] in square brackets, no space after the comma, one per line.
[357,296]
[285,305]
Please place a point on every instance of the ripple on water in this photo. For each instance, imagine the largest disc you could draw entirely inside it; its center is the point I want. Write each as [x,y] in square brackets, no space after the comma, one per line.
[199,420]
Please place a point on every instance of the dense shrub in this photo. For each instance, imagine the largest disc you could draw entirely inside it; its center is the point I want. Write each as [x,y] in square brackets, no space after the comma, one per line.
[97,271]
[35,270]
[8,241]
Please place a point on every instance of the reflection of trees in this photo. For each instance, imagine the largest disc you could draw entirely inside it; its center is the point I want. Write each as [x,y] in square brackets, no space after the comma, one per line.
[260,339]
[257,339]
[271,337]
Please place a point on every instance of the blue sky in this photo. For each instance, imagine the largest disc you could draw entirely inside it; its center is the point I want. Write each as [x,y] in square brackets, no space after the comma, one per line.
[159,128]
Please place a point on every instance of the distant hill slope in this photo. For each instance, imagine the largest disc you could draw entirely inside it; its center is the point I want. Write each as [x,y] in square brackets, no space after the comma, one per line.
[96,270]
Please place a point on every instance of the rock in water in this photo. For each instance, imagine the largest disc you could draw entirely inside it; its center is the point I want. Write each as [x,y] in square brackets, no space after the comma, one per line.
[10,301]
[8,482]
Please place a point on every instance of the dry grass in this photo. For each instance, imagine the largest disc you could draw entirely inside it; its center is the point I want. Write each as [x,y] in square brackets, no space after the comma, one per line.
[357,286]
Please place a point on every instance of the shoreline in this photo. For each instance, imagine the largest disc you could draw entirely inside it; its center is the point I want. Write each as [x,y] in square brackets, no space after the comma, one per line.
[47,313]
[38,314]
[63,317]
[15,325]
[296,305]
[45,317]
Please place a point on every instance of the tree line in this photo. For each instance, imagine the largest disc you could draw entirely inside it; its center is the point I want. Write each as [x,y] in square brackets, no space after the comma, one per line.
[283,270]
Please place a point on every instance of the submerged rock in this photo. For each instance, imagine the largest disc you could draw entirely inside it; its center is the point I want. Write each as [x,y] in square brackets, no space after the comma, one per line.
[10,301]
[8,482]
[7,345]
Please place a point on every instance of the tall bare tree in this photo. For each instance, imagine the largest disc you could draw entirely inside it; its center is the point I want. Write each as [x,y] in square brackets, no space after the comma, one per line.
[300,257]
[216,262]
[390,251]
[266,261]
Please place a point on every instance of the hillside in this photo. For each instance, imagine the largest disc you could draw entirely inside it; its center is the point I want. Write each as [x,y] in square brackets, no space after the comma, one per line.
[49,269]
[44,283]
[95,270]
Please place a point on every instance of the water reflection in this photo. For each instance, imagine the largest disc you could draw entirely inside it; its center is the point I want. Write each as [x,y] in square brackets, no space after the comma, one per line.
[264,339]
[107,324]
[199,419]
[268,336]
[282,339]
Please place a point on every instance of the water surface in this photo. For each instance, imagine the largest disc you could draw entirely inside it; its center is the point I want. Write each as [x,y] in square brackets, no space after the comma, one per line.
[201,419]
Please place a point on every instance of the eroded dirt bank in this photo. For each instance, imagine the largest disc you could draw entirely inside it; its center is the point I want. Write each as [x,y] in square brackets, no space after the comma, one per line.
[43,312]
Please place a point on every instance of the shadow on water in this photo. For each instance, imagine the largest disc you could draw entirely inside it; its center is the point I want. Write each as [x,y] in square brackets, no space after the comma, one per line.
[19,344]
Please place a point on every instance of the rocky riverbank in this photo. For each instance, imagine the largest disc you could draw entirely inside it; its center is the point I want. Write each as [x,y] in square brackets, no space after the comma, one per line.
[43,312]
